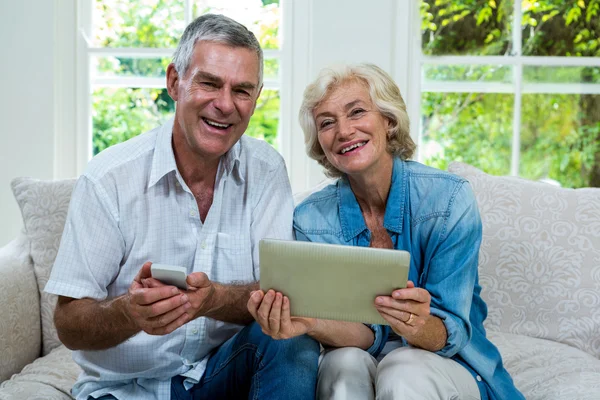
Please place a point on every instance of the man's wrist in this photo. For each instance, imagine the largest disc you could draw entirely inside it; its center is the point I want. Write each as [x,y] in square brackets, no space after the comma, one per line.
[122,304]
[212,303]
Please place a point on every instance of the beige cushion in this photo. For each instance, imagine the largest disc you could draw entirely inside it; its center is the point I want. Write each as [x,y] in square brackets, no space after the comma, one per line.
[20,329]
[44,206]
[539,262]
[48,378]
[544,370]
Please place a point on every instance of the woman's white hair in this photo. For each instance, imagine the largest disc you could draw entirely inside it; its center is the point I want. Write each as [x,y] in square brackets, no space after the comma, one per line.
[215,28]
[384,93]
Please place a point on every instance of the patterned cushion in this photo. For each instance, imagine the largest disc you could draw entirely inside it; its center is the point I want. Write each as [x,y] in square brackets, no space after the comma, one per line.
[544,370]
[540,258]
[44,206]
[20,330]
[47,378]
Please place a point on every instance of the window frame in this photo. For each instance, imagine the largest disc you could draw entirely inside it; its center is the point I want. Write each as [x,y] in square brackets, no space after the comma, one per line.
[517,87]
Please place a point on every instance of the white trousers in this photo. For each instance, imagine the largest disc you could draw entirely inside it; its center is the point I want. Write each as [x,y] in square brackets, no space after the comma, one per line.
[405,373]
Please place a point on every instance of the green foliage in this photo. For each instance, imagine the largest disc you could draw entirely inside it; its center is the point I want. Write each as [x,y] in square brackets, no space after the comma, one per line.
[560,134]
[142,23]
[120,114]
[265,121]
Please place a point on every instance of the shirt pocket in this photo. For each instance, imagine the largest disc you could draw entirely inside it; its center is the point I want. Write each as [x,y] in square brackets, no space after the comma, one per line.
[233,261]
[232,244]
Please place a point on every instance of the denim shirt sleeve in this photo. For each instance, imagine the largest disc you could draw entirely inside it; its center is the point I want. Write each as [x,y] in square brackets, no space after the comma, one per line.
[452,269]
[381,334]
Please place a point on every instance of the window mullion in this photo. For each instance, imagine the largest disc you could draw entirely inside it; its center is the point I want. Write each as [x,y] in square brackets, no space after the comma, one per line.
[518,88]
[84,100]
[187,11]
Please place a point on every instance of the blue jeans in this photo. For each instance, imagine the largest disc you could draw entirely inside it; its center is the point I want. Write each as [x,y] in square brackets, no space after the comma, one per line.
[251,365]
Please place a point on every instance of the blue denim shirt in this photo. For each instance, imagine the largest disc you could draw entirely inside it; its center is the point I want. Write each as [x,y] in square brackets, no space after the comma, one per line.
[433,215]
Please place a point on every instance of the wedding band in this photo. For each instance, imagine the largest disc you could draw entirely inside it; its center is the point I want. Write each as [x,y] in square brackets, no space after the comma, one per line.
[409,320]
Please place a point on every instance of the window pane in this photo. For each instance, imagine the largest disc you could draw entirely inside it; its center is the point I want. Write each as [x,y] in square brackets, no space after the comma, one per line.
[561,28]
[265,121]
[125,66]
[262,17]
[560,138]
[122,113]
[271,68]
[561,74]
[475,128]
[466,27]
[145,23]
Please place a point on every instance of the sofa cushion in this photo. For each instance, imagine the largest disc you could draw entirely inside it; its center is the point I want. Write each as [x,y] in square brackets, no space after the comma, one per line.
[20,329]
[539,261]
[544,370]
[49,378]
[44,206]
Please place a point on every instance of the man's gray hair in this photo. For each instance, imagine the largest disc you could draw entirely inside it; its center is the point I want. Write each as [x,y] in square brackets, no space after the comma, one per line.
[215,28]
[385,95]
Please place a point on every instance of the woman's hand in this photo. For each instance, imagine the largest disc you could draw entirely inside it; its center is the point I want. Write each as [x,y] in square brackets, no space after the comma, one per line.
[407,310]
[272,312]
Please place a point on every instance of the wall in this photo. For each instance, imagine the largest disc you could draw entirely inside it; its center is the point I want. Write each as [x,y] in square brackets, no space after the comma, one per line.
[26,107]
[326,32]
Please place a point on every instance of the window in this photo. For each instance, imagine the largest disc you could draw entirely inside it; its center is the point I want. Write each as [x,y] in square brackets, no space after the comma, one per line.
[512,87]
[128,45]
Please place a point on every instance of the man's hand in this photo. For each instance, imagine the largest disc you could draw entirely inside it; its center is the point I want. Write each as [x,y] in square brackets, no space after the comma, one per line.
[199,295]
[272,312]
[155,308]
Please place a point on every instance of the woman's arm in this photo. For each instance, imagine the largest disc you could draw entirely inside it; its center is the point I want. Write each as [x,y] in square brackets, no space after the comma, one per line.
[272,312]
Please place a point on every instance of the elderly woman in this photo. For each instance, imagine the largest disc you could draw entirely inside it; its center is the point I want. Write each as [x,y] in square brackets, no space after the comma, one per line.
[435,347]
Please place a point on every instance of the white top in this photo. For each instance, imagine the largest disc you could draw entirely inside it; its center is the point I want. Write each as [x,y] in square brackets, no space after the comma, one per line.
[130,206]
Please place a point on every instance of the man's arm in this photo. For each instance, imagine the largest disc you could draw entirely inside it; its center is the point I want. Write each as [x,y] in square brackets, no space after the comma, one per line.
[225,303]
[88,324]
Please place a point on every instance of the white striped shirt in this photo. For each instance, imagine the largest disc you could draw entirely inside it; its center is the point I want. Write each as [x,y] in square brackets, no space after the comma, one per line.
[131,206]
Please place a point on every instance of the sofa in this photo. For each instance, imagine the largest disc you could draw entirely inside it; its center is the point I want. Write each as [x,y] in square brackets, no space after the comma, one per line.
[539,268]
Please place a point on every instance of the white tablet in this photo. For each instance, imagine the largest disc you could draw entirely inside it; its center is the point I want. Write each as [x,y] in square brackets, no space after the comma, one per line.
[332,281]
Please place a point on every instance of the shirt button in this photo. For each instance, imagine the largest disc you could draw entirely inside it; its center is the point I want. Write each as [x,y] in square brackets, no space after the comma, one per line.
[194,331]
[203,245]
[478,378]
[192,213]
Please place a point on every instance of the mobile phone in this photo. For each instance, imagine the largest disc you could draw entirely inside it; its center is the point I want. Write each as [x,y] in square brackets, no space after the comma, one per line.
[170,275]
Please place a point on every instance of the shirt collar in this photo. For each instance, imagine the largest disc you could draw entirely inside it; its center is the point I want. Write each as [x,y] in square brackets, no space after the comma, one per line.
[351,218]
[163,161]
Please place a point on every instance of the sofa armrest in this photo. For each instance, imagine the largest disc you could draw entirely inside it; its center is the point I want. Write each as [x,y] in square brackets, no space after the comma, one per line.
[20,326]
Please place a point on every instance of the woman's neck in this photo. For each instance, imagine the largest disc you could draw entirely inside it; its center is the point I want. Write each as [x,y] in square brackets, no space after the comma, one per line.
[371,188]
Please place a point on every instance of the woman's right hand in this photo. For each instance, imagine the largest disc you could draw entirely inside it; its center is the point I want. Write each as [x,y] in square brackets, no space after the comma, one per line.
[272,312]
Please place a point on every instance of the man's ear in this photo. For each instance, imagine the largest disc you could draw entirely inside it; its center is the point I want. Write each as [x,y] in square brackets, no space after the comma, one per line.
[172,82]
[257,96]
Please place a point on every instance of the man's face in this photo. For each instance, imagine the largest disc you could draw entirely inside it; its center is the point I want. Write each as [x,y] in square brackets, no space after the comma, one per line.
[215,99]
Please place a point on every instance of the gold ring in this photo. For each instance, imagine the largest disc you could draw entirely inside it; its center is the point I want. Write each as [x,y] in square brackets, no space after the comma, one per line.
[409,320]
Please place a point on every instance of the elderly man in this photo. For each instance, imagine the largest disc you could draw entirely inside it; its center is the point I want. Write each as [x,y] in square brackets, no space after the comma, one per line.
[196,193]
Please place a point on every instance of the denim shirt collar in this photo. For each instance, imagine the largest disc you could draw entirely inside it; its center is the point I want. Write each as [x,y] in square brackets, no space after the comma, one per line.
[351,218]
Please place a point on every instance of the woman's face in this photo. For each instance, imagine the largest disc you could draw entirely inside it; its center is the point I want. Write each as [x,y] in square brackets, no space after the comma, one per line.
[351,130]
